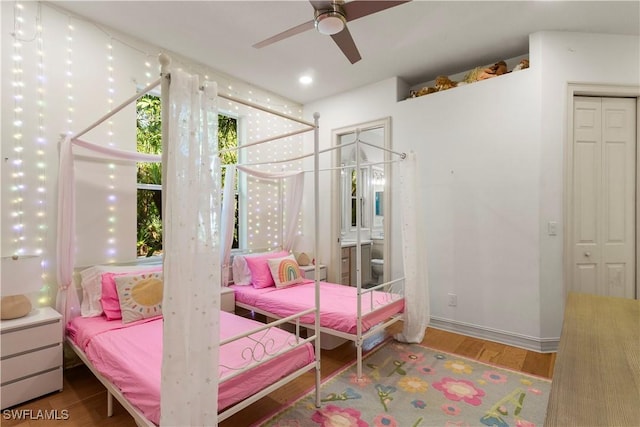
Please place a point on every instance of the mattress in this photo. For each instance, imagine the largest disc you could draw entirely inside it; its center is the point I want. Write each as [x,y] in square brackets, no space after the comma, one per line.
[130,357]
[338,304]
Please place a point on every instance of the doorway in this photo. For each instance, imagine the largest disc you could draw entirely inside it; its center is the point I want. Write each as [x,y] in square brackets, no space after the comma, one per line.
[361,221]
[601,246]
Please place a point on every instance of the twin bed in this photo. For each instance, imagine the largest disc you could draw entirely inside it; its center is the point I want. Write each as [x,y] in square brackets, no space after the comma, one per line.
[347,313]
[127,358]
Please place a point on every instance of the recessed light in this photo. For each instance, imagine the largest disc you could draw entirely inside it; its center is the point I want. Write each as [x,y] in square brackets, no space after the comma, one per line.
[305,80]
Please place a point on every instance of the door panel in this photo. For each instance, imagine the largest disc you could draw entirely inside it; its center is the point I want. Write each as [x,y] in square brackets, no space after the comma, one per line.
[604,189]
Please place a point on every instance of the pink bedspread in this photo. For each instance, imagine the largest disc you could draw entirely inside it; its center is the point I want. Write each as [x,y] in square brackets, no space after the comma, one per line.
[130,357]
[338,304]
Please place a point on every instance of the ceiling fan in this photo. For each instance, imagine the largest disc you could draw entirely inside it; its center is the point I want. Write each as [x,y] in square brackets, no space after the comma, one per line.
[331,17]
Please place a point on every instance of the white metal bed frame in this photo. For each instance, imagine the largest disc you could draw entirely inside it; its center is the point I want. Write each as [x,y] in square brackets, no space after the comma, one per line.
[359,337]
[114,391]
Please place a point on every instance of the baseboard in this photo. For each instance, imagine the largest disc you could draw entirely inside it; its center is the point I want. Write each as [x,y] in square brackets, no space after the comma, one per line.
[540,345]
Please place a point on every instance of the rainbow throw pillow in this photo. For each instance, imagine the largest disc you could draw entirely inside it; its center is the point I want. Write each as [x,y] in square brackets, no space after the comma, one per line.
[285,271]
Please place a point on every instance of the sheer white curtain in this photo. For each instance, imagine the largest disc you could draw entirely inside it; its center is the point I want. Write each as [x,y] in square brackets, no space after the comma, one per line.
[190,306]
[416,284]
[67,302]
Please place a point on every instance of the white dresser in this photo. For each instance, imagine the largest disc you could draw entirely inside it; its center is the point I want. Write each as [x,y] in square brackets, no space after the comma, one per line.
[227,299]
[31,356]
[309,272]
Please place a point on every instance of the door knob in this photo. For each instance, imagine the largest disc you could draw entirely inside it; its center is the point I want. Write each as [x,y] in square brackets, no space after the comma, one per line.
[587,254]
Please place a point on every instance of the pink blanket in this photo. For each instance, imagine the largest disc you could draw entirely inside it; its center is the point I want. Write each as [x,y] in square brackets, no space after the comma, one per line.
[338,304]
[130,357]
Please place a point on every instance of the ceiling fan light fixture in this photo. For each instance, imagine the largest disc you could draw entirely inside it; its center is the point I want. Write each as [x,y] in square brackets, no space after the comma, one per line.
[330,22]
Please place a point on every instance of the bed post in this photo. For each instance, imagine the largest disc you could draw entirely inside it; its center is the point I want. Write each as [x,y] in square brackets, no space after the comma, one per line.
[165,62]
[358,255]
[316,232]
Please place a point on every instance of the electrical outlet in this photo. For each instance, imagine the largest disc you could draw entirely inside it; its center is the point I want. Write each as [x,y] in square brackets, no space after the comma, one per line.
[453,300]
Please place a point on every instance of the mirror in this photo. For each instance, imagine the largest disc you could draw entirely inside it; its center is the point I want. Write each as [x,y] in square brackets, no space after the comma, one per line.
[362,199]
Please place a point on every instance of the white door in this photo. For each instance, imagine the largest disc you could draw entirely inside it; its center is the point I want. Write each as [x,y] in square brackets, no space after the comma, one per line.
[604,196]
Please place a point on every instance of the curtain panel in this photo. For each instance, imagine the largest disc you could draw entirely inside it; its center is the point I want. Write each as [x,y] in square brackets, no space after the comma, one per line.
[191,300]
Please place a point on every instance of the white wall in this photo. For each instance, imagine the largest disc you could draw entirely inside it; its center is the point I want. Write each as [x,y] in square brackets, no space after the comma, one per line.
[569,58]
[490,157]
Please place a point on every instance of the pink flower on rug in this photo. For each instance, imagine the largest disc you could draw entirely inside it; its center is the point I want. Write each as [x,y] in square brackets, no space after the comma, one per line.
[411,357]
[458,367]
[450,409]
[384,420]
[458,390]
[494,377]
[413,384]
[334,416]
[363,381]
[524,423]
[535,391]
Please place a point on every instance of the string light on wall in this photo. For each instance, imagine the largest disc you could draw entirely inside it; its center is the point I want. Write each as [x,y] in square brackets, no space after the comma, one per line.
[17,163]
[69,75]
[41,164]
[147,73]
[111,197]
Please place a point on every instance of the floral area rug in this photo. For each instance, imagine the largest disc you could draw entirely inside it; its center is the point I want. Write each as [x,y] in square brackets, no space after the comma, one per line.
[409,385]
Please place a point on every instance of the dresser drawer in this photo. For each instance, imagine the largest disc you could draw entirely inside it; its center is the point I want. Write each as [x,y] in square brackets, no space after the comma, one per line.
[17,341]
[309,272]
[30,388]
[26,364]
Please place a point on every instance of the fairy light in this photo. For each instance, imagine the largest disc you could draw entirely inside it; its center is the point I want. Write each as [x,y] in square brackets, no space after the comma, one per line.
[29,195]
[17,163]
[69,75]
[41,164]
[147,72]
[112,206]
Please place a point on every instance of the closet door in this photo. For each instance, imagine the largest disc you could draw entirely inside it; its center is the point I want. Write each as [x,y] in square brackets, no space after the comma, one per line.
[604,191]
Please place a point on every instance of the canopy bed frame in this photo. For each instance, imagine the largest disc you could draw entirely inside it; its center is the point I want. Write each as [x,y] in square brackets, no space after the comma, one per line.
[348,313]
[179,402]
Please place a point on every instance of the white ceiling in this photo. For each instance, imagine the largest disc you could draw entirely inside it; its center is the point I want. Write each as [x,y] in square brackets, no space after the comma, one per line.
[415,41]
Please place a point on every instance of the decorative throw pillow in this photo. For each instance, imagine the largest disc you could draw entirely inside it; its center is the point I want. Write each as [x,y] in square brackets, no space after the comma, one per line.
[285,271]
[260,272]
[140,296]
[109,299]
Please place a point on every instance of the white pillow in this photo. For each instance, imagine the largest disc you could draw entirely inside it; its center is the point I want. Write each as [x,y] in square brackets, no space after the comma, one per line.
[240,271]
[91,282]
[285,271]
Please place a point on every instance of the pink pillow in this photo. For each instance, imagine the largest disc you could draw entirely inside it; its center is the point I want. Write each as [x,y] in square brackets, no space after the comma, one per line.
[109,299]
[259,267]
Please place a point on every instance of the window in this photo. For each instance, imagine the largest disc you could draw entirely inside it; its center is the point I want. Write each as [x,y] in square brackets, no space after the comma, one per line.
[149,175]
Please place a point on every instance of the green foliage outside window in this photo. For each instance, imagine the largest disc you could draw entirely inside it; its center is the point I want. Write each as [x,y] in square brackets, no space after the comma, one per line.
[149,140]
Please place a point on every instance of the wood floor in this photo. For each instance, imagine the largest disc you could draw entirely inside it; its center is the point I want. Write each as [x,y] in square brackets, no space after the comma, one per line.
[85,401]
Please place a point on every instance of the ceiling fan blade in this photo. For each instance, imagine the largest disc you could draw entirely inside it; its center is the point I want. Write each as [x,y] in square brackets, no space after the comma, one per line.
[285,34]
[358,9]
[346,44]
[321,4]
